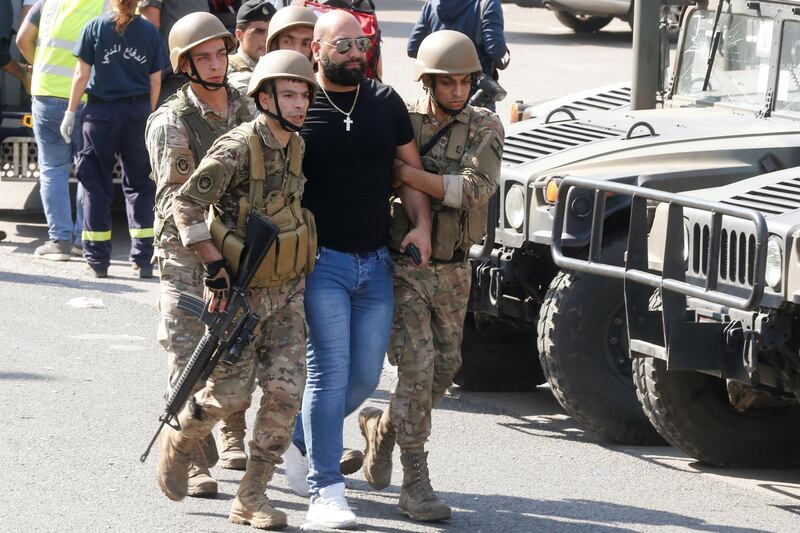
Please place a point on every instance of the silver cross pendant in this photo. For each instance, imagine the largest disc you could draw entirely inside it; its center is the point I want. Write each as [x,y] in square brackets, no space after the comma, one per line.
[347,122]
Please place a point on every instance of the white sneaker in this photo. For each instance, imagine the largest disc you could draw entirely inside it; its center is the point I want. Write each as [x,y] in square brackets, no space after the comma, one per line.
[295,466]
[329,509]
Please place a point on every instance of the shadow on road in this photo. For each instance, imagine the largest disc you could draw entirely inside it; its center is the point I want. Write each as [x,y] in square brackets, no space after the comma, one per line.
[33,279]
[492,513]
[24,376]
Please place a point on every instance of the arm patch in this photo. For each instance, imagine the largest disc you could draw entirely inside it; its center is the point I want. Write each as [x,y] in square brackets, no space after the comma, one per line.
[181,164]
[207,183]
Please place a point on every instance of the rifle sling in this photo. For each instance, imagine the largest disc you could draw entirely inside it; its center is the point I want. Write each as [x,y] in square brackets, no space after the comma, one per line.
[425,148]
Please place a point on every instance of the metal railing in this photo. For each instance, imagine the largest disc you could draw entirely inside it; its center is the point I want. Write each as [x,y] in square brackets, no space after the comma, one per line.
[673,275]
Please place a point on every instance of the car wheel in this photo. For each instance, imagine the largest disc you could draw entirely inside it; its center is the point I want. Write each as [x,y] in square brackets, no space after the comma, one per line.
[582,23]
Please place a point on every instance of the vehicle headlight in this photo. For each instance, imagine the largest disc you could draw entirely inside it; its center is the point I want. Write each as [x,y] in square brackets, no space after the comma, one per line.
[515,206]
[774,267]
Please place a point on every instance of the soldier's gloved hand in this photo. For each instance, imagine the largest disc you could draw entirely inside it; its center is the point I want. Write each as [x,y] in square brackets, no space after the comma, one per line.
[67,124]
[217,280]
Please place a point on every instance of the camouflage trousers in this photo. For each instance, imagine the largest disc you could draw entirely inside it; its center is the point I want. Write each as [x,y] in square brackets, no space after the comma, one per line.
[277,360]
[425,344]
[178,331]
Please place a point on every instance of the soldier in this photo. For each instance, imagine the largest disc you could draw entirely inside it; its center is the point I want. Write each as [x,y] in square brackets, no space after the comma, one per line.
[252,24]
[178,135]
[256,166]
[460,148]
[292,28]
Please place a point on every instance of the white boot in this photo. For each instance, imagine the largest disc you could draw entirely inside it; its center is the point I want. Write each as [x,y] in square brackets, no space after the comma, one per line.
[295,466]
[329,509]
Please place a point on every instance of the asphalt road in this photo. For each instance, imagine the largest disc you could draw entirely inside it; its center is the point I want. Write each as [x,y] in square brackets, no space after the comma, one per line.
[81,390]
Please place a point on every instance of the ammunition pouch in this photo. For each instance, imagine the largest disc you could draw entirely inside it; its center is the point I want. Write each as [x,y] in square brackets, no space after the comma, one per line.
[292,254]
[451,229]
[295,248]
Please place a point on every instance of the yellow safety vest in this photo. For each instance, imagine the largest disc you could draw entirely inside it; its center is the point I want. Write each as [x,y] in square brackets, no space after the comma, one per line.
[59,29]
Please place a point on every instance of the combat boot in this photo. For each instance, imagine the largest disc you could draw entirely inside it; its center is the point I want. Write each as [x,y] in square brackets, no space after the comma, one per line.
[251,506]
[201,484]
[417,499]
[231,435]
[210,450]
[378,432]
[176,449]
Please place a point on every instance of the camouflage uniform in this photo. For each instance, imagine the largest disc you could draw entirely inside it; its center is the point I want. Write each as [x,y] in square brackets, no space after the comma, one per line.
[431,303]
[175,149]
[276,358]
[240,70]
[174,154]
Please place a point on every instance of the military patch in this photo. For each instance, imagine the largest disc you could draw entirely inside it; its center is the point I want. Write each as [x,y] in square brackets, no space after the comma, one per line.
[182,165]
[204,183]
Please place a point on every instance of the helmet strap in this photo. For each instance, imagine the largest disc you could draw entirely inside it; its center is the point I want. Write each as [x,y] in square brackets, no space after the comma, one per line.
[285,124]
[194,77]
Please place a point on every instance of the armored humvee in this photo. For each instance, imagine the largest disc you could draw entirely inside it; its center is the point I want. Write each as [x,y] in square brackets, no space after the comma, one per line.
[728,113]
[716,347]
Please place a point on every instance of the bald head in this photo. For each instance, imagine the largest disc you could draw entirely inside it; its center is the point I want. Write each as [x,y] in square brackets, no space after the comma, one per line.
[336,24]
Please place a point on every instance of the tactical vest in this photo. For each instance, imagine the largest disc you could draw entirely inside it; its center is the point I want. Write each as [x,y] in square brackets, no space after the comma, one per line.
[200,136]
[236,63]
[451,229]
[295,249]
[60,27]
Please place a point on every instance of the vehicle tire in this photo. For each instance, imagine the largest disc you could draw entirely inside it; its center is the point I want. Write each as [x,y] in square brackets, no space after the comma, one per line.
[692,412]
[498,359]
[582,23]
[583,348]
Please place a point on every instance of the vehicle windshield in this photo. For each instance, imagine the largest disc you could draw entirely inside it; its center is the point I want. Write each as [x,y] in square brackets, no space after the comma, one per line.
[740,68]
[788,93]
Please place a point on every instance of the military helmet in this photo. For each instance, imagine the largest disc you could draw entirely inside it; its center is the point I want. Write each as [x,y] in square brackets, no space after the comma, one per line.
[194,29]
[289,17]
[446,52]
[282,64]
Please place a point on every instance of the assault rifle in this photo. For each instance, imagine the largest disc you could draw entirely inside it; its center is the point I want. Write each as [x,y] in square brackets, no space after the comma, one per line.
[227,333]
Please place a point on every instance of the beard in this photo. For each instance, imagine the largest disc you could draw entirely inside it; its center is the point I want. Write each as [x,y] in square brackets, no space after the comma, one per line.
[340,74]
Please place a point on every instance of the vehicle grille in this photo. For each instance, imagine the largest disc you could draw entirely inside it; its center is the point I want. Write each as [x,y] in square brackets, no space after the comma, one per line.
[770,200]
[736,255]
[551,138]
[605,101]
[19,161]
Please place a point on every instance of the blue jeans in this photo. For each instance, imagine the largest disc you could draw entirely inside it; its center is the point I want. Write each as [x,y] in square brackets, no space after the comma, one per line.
[55,166]
[348,302]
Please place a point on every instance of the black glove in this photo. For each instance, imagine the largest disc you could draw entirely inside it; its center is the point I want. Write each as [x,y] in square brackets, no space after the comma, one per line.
[217,279]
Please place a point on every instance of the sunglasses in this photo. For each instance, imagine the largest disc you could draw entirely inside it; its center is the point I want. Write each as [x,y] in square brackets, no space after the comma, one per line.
[344,45]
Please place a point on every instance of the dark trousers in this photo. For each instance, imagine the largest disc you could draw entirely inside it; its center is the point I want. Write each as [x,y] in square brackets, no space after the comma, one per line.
[111,128]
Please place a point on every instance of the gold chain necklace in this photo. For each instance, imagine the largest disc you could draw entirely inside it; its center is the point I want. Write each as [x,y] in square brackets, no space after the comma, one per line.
[347,120]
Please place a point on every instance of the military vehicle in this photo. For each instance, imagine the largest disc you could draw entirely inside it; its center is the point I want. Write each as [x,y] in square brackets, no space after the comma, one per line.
[726,116]
[716,347]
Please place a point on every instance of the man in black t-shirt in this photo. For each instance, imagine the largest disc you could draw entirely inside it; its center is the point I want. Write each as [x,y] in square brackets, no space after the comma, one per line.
[353,132]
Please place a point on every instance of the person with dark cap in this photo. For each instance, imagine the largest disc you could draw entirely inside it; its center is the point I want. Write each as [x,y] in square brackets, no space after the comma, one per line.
[252,24]
[292,28]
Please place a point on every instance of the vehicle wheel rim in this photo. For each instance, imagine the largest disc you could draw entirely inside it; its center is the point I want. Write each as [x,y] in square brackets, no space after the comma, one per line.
[615,342]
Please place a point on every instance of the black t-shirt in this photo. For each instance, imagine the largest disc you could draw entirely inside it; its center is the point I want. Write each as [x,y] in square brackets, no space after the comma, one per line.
[349,172]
